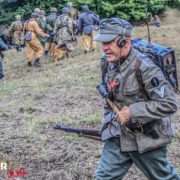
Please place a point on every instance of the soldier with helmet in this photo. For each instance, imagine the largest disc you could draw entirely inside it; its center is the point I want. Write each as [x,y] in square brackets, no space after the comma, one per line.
[42,24]
[50,23]
[37,10]
[16,32]
[87,23]
[34,47]
[64,29]
[73,14]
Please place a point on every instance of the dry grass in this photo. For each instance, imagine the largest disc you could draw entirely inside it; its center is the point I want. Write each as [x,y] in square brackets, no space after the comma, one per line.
[32,100]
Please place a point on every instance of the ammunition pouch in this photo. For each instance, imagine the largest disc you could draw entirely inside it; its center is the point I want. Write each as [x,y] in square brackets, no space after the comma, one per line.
[156,134]
[147,129]
[28,36]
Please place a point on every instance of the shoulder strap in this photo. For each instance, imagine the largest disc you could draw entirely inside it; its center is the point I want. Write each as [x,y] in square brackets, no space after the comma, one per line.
[139,78]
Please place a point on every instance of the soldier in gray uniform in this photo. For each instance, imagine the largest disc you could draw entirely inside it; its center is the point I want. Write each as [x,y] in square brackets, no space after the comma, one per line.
[140,131]
[50,22]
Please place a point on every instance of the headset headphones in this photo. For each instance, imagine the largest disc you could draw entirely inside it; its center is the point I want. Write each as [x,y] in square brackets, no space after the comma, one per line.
[122,40]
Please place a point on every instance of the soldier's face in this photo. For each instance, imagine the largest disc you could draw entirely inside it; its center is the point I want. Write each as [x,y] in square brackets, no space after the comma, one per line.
[41,16]
[112,51]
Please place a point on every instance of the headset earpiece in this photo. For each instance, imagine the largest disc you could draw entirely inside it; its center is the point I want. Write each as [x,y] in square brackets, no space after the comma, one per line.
[121,42]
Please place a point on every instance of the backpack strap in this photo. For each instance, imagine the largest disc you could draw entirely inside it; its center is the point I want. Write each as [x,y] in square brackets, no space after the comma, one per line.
[139,78]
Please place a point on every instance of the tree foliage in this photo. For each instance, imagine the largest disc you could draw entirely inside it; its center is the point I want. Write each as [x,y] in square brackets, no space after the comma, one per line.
[128,9]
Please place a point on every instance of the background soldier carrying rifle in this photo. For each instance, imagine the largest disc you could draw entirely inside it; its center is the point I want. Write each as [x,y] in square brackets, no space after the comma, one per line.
[50,23]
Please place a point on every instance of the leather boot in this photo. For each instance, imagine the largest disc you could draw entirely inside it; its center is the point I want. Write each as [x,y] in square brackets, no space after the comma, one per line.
[29,64]
[45,54]
[37,63]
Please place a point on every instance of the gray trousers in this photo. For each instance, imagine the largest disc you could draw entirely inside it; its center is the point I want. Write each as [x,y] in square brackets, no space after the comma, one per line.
[114,164]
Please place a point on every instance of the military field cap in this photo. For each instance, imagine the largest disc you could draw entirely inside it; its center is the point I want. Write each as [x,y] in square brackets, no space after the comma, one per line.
[37,10]
[53,9]
[110,28]
[42,12]
[34,15]
[65,10]
[18,17]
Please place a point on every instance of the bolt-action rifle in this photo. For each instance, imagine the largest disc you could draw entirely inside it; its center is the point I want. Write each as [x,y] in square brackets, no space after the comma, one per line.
[82,132]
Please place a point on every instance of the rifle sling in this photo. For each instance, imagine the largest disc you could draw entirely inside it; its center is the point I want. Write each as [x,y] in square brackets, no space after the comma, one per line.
[90,136]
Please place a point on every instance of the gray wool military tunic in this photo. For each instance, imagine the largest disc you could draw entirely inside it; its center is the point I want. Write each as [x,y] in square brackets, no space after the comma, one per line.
[121,79]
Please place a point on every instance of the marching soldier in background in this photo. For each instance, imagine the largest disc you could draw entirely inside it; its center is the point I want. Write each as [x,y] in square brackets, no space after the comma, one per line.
[50,22]
[37,11]
[157,21]
[42,24]
[34,47]
[64,29]
[7,39]
[16,32]
[3,47]
[86,24]
[73,14]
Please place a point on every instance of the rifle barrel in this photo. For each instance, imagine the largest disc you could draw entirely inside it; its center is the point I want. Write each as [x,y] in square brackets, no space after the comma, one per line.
[90,133]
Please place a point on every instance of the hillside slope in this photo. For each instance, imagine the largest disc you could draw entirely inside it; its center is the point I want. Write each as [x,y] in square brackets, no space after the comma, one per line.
[32,100]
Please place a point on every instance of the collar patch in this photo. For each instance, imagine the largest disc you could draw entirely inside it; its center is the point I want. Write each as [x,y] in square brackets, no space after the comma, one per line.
[112,85]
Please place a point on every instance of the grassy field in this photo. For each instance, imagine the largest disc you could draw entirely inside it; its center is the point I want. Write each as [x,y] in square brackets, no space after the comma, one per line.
[33,99]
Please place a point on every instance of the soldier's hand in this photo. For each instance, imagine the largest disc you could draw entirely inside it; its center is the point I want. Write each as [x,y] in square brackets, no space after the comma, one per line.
[124,115]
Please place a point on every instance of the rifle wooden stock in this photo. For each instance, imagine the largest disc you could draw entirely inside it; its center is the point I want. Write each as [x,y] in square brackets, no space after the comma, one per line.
[82,132]
[113,106]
